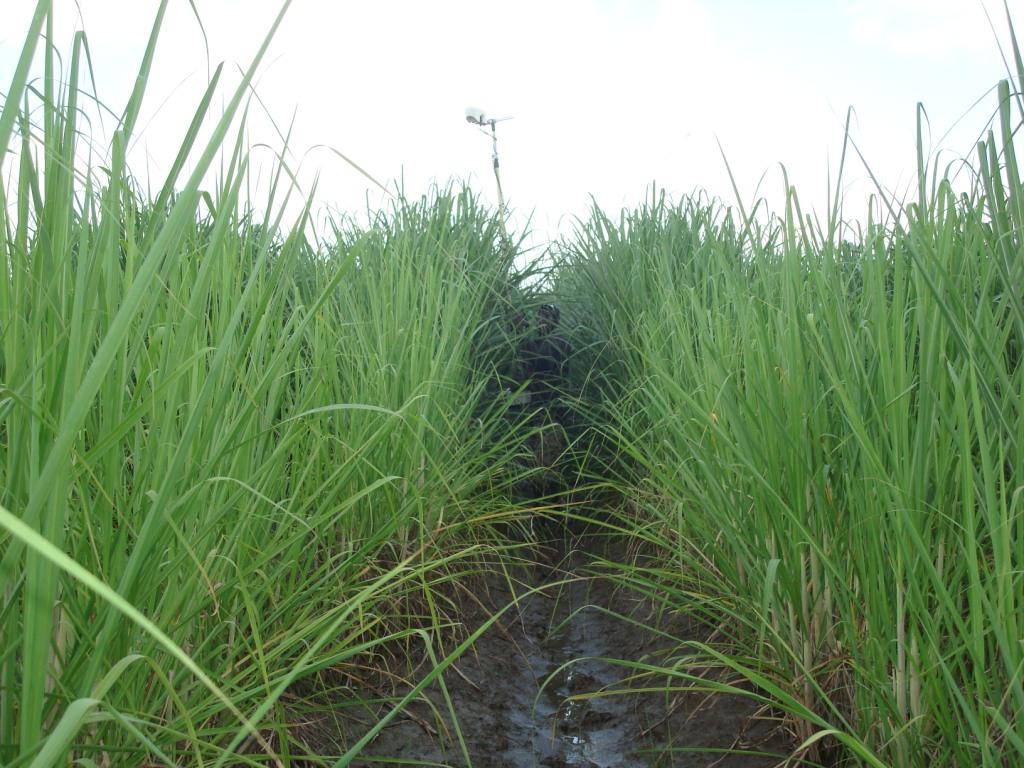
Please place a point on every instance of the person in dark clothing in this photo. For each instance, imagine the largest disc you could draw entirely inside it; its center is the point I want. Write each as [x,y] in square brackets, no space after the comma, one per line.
[546,358]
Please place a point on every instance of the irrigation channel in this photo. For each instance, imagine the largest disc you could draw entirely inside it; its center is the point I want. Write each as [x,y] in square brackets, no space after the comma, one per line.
[549,683]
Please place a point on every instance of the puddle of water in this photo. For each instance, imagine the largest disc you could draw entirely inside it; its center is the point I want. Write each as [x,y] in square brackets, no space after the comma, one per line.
[580,732]
[522,697]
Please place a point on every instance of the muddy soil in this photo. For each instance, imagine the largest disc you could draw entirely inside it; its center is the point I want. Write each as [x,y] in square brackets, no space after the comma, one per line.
[537,691]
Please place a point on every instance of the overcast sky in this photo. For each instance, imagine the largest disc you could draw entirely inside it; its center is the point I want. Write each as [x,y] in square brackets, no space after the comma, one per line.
[607,96]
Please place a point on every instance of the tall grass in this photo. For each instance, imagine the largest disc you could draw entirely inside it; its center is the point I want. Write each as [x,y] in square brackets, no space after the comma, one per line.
[230,457]
[822,439]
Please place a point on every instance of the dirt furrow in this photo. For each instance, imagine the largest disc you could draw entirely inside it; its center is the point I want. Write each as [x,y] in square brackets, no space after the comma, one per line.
[539,691]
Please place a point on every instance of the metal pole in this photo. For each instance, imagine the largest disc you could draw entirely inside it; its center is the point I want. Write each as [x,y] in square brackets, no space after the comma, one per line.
[497,174]
[497,179]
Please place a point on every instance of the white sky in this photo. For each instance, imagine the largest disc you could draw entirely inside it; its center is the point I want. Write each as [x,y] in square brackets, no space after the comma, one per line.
[607,95]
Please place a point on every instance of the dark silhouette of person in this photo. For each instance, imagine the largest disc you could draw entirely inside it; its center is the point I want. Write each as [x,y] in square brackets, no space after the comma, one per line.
[546,362]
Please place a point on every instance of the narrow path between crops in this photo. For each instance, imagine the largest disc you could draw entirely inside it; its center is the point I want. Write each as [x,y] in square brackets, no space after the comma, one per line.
[522,704]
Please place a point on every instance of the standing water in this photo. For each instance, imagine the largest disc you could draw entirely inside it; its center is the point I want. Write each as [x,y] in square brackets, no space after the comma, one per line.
[540,689]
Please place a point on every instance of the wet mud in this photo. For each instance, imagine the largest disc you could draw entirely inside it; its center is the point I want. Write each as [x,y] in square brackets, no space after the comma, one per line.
[540,689]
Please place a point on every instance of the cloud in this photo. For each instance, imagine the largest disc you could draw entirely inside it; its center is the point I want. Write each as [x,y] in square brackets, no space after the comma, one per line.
[914,28]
